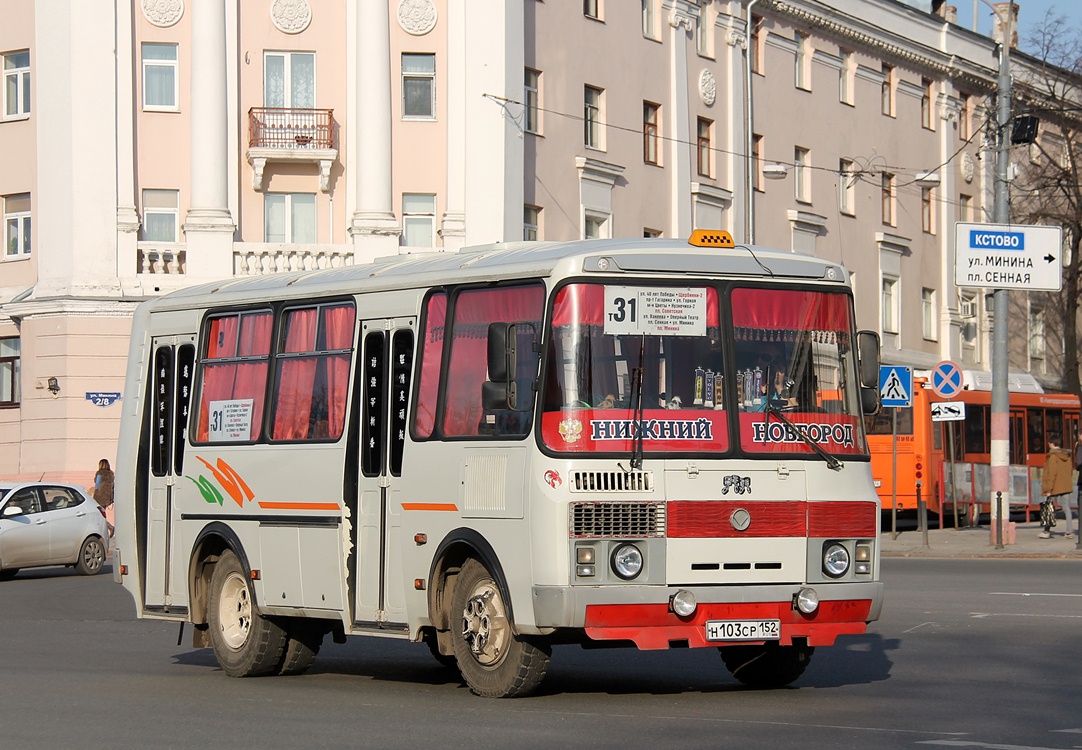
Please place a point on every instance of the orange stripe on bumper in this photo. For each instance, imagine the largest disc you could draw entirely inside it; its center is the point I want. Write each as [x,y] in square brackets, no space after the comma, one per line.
[653,626]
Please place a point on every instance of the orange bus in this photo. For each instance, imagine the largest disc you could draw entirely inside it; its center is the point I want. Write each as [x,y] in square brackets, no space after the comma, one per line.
[924,449]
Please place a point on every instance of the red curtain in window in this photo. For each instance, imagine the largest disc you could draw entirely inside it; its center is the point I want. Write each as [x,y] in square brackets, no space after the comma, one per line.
[338,324]
[585,304]
[297,376]
[782,309]
[431,361]
[468,365]
[235,381]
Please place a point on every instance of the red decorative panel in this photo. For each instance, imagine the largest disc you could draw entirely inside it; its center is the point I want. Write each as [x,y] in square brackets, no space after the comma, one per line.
[710,519]
[842,520]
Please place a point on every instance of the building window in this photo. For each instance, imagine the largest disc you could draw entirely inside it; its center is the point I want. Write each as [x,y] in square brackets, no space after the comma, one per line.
[595,226]
[289,80]
[161,215]
[531,223]
[845,77]
[705,152]
[755,49]
[159,76]
[650,132]
[757,162]
[418,86]
[533,100]
[649,19]
[887,191]
[800,73]
[592,117]
[801,175]
[965,114]
[926,100]
[965,207]
[592,9]
[16,84]
[1036,333]
[289,217]
[418,220]
[928,313]
[16,226]
[888,90]
[702,30]
[651,234]
[847,187]
[927,209]
[10,366]
[890,303]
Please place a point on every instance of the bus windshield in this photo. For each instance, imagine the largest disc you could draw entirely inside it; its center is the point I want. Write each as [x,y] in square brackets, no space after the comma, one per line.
[651,364]
[794,353]
[625,356]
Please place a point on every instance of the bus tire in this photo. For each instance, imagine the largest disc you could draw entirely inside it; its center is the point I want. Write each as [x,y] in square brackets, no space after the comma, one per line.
[91,557]
[8,573]
[245,643]
[494,662]
[767,665]
[303,639]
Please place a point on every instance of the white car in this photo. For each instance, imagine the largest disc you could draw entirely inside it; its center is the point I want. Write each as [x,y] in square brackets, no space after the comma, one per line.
[47,523]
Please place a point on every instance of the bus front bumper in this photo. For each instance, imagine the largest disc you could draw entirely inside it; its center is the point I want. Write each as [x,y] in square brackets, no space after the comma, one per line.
[643,614]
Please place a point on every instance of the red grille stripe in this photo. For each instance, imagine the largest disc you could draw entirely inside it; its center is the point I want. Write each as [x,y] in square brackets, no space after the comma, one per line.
[710,519]
[842,519]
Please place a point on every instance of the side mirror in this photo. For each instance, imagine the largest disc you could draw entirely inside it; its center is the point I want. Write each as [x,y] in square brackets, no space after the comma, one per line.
[868,365]
[12,510]
[499,392]
[868,358]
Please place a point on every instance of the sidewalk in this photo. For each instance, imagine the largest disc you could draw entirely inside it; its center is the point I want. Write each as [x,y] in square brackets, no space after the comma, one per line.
[977,542]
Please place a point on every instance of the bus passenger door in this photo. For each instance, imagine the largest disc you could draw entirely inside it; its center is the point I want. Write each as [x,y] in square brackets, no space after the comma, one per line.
[172,361]
[386,372]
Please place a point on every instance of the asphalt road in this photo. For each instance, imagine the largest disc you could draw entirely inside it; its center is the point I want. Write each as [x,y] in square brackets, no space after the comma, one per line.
[968,653]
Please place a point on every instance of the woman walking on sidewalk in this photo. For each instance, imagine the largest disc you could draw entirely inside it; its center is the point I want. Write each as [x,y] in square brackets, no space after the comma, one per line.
[1056,487]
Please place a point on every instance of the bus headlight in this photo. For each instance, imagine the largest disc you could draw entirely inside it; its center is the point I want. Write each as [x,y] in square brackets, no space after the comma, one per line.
[835,560]
[806,601]
[626,561]
[863,557]
[683,603]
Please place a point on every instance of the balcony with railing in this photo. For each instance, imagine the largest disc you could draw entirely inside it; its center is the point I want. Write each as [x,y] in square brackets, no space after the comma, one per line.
[288,134]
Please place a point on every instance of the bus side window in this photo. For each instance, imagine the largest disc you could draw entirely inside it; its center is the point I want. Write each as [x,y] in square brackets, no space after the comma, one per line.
[467,366]
[431,365]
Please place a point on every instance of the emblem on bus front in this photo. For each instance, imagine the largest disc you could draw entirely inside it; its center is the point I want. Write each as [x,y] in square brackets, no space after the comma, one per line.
[552,478]
[740,519]
[570,430]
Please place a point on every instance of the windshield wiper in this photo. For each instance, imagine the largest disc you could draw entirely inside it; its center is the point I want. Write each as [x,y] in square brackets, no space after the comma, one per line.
[636,419]
[831,461]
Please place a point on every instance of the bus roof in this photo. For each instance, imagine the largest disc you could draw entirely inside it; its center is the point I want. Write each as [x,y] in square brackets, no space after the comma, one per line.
[504,261]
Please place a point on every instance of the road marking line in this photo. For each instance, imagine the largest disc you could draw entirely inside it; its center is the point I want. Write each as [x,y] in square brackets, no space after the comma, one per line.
[979,615]
[987,745]
[918,627]
[1024,593]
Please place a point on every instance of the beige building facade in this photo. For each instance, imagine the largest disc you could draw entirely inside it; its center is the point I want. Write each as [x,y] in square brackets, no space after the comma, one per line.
[147,145]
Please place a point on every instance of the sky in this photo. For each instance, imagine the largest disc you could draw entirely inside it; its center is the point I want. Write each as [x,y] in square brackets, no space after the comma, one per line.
[1031,14]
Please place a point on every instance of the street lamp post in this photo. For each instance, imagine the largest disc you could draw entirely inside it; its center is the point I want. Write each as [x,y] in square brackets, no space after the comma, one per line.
[1000,443]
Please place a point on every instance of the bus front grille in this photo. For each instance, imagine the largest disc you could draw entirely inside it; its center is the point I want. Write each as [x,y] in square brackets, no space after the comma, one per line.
[612,481]
[617,520]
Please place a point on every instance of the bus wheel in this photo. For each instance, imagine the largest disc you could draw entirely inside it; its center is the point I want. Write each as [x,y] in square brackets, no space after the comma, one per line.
[91,557]
[303,639]
[245,643]
[768,665]
[494,662]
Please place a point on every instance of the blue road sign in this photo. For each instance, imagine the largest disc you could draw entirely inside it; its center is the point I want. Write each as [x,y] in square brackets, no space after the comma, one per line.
[946,379]
[895,385]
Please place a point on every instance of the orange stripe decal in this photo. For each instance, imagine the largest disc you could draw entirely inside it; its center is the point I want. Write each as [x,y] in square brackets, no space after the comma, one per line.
[430,506]
[298,506]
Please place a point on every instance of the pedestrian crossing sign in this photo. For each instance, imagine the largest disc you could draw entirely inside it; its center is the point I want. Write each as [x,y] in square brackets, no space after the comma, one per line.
[895,385]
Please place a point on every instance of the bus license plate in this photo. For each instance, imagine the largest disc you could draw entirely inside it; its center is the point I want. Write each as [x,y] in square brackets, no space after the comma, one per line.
[743,630]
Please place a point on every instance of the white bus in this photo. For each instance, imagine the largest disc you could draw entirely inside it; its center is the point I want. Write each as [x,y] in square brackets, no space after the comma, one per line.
[503,449]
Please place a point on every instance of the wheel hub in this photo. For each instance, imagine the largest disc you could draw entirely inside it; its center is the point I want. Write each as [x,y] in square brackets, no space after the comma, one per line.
[235,611]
